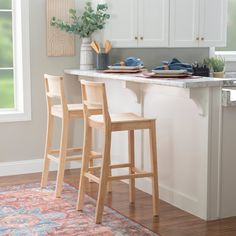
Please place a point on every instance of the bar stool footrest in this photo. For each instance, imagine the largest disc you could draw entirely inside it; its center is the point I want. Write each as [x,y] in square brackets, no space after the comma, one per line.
[74,158]
[53,158]
[131,176]
[117,166]
[92,177]
[95,155]
[74,149]
[68,158]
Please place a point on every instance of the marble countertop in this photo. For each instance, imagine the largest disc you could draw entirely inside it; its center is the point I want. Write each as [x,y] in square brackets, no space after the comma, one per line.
[193,82]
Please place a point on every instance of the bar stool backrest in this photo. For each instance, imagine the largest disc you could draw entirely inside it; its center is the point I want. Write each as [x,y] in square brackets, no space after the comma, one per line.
[94,96]
[54,86]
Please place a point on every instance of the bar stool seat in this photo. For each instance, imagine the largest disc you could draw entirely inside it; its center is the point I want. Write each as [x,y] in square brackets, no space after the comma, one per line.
[121,121]
[94,94]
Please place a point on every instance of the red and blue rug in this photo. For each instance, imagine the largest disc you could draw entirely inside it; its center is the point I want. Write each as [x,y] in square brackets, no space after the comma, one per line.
[26,210]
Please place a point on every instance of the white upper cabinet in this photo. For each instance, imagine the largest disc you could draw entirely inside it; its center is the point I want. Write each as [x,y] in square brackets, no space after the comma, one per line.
[122,27]
[198,23]
[184,23]
[213,23]
[165,23]
[137,23]
[153,23]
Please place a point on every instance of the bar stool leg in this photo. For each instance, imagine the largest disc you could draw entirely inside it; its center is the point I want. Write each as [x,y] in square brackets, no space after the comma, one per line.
[85,165]
[153,155]
[62,156]
[104,177]
[91,164]
[48,146]
[109,184]
[132,163]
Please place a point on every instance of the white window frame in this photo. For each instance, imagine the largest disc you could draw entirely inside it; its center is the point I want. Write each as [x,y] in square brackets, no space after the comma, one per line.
[21,65]
[229,56]
[230,59]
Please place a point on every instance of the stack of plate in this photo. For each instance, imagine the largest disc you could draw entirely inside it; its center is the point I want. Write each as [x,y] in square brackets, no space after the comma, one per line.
[170,73]
[124,69]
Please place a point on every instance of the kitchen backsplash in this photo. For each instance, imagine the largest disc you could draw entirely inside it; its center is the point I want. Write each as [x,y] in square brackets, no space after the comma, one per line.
[154,56]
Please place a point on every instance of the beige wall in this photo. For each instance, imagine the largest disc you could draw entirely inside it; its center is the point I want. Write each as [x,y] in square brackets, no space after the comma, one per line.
[25,140]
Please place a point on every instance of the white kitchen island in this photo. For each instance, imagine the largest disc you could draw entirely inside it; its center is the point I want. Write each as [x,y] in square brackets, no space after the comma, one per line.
[193,150]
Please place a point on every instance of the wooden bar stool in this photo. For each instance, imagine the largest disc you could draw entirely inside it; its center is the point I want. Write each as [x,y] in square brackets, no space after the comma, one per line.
[94,94]
[55,94]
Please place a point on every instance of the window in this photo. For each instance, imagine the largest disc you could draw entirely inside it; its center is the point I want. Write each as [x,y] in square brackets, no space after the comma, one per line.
[230,50]
[14,61]
[6,56]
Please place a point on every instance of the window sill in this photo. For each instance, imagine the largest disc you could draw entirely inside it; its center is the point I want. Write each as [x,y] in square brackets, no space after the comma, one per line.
[13,116]
[229,56]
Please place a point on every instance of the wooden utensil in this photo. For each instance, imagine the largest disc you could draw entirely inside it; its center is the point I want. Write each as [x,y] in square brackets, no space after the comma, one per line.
[108,46]
[98,47]
[95,47]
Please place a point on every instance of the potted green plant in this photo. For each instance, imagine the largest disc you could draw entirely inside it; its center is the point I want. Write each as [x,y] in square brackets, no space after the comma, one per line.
[217,64]
[84,26]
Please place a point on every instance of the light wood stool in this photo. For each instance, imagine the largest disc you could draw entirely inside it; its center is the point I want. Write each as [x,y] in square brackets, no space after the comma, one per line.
[55,91]
[94,95]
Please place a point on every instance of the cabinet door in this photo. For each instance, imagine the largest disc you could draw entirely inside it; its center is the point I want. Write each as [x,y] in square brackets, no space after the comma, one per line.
[153,23]
[184,23]
[121,28]
[213,23]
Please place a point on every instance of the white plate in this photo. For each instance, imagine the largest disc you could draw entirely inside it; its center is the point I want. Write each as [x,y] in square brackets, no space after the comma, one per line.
[169,72]
[125,67]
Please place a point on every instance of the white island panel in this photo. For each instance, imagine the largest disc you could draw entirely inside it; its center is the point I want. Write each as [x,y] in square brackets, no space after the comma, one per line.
[189,137]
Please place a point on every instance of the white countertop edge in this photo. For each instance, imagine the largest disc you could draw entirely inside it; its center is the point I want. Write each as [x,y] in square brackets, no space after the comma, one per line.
[182,83]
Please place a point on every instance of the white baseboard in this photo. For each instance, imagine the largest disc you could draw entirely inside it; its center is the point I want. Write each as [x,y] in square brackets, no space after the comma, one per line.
[173,197]
[30,166]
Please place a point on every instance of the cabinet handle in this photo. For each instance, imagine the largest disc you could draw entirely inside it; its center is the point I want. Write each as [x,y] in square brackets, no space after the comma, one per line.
[141,38]
[136,38]
[197,38]
[202,38]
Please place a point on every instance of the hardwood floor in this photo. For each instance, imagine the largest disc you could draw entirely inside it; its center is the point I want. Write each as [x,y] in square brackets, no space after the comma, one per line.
[171,222]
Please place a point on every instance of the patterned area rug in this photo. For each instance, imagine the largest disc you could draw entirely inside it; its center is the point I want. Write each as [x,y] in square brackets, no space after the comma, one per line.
[26,210]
